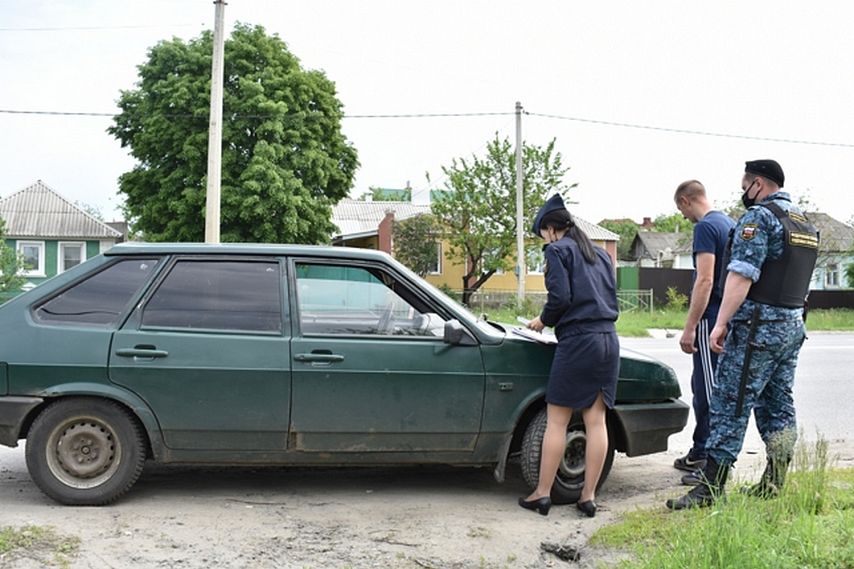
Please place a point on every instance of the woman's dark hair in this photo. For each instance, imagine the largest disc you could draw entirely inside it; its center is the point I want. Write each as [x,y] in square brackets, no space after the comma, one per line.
[561,219]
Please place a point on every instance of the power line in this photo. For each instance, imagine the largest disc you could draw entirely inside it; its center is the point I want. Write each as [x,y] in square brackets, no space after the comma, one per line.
[478,114]
[250,116]
[55,113]
[688,131]
[426,115]
[94,28]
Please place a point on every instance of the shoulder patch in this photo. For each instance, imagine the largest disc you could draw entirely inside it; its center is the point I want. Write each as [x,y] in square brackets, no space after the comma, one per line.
[799,239]
[748,232]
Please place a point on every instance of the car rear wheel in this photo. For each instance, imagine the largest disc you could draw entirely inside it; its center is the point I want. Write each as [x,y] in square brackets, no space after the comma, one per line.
[570,474]
[85,452]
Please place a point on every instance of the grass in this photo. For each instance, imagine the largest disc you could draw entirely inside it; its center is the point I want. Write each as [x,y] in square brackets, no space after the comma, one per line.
[809,525]
[41,544]
[637,323]
[832,319]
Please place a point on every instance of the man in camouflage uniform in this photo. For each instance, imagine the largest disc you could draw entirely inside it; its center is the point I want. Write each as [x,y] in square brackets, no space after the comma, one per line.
[772,254]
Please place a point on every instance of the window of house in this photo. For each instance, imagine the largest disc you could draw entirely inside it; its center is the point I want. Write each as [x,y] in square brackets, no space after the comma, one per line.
[536,261]
[101,298]
[490,254]
[33,256]
[831,275]
[243,296]
[70,255]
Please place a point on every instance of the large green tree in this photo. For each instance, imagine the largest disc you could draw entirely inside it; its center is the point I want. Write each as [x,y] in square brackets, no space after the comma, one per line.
[477,208]
[10,264]
[627,230]
[416,243]
[672,223]
[285,162]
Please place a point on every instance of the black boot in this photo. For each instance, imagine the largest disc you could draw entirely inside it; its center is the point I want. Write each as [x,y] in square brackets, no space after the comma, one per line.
[771,483]
[713,478]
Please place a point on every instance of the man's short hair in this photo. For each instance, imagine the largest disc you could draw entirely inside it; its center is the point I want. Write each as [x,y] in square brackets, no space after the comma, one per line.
[691,189]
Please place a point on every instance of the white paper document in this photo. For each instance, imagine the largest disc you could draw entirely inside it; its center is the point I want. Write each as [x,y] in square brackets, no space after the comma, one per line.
[536,336]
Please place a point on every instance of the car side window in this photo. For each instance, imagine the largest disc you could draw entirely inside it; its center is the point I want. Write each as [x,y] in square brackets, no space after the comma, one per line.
[338,299]
[100,299]
[239,296]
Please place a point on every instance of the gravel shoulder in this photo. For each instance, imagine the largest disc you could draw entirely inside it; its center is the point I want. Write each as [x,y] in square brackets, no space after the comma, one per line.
[440,517]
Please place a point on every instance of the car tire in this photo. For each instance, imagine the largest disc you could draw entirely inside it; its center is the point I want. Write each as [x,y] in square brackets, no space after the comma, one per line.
[85,451]
[570,475]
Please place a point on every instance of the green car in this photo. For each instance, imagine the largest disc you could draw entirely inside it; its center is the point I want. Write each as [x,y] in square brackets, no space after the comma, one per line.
[280,354]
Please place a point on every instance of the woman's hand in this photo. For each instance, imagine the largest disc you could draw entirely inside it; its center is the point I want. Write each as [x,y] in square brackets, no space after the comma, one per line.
[536,324]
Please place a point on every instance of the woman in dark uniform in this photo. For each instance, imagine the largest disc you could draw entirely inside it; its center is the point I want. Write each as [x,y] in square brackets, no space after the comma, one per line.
[582,308]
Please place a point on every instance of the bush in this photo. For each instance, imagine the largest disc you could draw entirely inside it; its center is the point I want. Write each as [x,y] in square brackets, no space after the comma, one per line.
[675,299]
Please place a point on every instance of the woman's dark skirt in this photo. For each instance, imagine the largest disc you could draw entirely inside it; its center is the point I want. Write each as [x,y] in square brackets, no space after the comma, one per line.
[584,365]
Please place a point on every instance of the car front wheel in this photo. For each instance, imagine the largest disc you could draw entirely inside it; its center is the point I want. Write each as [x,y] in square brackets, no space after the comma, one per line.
[570,473]
[85,452]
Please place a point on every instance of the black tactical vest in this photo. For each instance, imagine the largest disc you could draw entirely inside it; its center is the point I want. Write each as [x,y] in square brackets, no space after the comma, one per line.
[785,281]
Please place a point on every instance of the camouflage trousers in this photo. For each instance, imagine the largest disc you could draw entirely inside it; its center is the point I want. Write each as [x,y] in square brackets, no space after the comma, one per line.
[756,371]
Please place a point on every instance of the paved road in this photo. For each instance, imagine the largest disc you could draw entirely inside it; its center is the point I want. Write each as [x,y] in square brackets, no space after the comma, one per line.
[824,385]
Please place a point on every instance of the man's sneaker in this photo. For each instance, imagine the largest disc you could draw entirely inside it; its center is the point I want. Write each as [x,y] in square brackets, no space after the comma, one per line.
[688,464]
[692,478]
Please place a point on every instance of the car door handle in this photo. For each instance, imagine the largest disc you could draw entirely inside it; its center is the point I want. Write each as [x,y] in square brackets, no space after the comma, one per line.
[314,357]
[141,353]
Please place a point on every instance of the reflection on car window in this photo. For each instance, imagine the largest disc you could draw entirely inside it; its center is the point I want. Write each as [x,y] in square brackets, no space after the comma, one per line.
[335,299]
[218,295]
[100,299]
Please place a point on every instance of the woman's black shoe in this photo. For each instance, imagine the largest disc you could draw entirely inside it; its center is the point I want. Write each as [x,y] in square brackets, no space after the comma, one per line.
[541,505]
[588,508]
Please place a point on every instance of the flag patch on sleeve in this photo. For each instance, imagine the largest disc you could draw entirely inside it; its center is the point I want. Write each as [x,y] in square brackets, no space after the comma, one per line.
[748,232]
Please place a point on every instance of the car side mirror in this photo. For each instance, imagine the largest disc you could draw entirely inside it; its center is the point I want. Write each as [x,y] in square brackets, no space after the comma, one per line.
[457,335]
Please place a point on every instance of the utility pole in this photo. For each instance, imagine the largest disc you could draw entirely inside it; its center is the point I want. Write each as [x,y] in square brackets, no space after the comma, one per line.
[520,218]
[215,129]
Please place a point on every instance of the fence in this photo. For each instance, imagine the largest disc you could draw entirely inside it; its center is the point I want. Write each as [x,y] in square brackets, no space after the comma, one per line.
[483,300]
[636,300]
[492,299]
[831,299]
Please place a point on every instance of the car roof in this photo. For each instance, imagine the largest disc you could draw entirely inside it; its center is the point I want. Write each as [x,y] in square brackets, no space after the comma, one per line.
[136,248]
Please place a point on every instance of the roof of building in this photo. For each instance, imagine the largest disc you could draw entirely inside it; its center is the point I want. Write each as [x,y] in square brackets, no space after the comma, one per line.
[356,218]
[836,237]
[655,241]
[38,211]
[593,231]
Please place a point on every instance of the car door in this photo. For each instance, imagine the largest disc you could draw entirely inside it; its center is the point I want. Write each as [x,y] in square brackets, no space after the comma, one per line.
[371,372]
[207,350]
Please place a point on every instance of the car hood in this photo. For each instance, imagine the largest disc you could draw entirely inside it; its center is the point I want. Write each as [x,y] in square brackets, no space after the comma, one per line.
[641,377]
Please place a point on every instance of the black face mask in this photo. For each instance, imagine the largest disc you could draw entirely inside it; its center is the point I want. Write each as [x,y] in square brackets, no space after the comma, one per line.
[747,201]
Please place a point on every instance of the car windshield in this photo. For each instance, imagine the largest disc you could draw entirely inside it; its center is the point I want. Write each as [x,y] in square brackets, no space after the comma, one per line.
[480,321]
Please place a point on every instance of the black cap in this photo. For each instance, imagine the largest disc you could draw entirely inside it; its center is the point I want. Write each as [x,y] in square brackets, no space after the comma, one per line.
[554,203]
[767,169]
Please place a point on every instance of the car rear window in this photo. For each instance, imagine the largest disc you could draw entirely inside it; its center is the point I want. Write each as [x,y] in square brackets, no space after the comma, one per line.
[218,295]
[100,299]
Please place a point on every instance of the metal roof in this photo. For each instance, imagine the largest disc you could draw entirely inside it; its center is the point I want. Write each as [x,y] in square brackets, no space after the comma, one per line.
[356,218]
[40,212]
[654,241]
[836,237]
[593,231]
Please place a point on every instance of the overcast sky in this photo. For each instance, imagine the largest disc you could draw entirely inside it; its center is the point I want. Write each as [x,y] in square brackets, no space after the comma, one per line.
[776,70]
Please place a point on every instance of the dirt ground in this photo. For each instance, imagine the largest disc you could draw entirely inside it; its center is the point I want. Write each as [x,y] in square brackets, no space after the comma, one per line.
[436,517]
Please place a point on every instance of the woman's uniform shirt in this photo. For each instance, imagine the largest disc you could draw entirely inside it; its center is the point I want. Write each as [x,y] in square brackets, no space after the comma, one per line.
[582,297]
